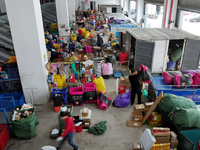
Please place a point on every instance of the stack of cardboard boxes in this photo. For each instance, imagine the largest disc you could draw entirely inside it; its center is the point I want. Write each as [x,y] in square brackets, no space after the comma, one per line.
[173,141]
[124,81]
[137,116]
[85,117]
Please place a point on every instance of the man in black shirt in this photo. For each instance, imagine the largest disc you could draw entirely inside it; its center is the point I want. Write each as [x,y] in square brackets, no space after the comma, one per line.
[135,85]
[99,41]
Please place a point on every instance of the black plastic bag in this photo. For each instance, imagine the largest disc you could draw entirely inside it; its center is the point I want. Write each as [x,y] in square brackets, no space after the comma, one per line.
[90,95]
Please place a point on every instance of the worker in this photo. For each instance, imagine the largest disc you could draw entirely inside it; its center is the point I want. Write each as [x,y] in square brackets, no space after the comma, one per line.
[135,85]
[69,131]
[100,44]
[99,41]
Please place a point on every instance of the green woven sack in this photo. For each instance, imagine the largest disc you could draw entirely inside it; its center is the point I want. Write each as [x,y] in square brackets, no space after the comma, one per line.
[176,55]
[25,128]
[61,122]
[185,117]
[171,100]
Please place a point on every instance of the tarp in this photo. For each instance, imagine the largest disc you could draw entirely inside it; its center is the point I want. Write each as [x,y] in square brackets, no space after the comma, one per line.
[171,100]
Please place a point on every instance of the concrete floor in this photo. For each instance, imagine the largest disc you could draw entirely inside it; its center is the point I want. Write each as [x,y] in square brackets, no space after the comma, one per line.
[117,137]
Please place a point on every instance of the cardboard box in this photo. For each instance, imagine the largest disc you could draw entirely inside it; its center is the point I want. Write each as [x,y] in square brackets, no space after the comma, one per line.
[148,105]
[146,110]
[160,129]
[173,135]
[136,146]
[161,134]
[86,122]
[140,107]
[133,124]
[174,143]
[165,139]
[136,119]
[128,85]
[122,79]
[122,84]
[127,79]
[85,112]
[137,114]
[161,146]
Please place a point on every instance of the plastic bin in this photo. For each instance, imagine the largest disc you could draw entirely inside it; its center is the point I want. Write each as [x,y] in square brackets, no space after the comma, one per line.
[60,80]
[10,100]
[13,72]
[4,136]
[61,122]
[60,91]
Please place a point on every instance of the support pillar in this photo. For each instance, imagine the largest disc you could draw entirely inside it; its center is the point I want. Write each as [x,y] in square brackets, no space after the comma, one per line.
[170,9]
[63,18]
[72,10]
[29,44]
[2,6]
[140,10]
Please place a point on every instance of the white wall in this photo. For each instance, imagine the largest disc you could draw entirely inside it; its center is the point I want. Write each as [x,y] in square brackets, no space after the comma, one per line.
[29,43]
[2,6]
[140,10]
[62,17]
[71,6]
[99,2]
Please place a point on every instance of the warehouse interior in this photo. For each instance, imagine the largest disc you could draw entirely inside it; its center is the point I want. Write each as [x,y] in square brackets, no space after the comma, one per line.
[52,56]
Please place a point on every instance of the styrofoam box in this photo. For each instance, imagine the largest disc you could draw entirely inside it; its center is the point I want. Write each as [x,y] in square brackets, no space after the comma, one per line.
[147,139]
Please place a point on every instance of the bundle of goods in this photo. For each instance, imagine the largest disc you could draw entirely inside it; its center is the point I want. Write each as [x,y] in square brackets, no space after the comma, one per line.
[146,74]
[90,93]
[103,101]
[188,78]
[97,68]
[155,119]
[123,58]
[23,122]
[122,100]
[100,84]
[107,70]
[85,116]
[169,76]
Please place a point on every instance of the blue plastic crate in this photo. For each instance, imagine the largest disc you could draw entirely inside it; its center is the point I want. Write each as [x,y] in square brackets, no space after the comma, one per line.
[10,100]
[60,91]
[13,72]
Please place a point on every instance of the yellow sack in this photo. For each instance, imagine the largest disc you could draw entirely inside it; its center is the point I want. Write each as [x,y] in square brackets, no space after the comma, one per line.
[73,37]
[100,85]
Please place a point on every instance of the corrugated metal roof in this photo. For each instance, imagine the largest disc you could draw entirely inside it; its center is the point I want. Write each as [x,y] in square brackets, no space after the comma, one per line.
[48,15]
[160,34]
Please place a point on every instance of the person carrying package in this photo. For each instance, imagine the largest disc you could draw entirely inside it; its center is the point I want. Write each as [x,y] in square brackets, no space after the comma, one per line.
[69,131]
[135,85]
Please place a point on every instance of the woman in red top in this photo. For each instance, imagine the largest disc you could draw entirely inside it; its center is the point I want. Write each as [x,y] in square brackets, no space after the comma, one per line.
[69,131]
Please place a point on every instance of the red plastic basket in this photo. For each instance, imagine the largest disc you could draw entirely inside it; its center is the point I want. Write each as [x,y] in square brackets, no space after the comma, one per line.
[79,128]
[4,136]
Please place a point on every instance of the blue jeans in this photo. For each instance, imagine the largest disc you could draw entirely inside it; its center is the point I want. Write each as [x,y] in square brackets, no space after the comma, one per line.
[70,137]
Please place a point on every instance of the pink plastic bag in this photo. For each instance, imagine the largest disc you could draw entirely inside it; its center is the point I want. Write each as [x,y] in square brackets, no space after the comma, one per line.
[88,49]
[103,101]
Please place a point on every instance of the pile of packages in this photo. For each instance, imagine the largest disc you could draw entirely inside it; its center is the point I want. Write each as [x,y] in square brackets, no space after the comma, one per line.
[157,139]
[124,84]
[137,114]
[155,119]
[85,116]
[165,139]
